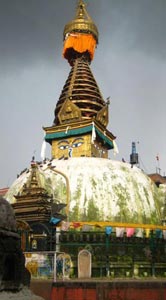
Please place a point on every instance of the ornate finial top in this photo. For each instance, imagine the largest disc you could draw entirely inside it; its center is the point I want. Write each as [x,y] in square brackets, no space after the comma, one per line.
[82,22]
[80,7]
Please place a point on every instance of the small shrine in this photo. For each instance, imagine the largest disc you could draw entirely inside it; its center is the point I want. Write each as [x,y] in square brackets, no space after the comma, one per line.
[33,212]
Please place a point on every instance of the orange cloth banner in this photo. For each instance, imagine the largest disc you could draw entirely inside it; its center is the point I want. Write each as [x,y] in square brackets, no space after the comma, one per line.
[80,43]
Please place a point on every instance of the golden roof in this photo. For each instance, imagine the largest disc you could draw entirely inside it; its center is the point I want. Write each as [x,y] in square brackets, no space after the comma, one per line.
[82,90]
[82,23]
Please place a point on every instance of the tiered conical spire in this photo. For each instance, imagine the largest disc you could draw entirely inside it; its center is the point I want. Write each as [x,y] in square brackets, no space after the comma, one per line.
[82,90]
[81,112]
[33,183]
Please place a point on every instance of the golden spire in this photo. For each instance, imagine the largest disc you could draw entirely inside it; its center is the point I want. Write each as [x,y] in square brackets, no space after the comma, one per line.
[82,23]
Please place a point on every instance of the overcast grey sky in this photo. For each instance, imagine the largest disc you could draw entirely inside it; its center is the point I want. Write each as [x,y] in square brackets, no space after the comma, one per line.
[129,66]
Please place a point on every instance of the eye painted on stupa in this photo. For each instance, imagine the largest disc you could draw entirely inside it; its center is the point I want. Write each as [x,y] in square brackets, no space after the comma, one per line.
[77,142]
[75,145]
[64,147]
[64,144]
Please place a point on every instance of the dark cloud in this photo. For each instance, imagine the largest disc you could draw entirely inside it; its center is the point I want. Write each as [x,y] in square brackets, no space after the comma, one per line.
[30,31]
[33,29]
[135,25]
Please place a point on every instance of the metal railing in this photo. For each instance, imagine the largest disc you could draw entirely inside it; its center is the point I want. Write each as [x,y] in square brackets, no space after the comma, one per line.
[111,256]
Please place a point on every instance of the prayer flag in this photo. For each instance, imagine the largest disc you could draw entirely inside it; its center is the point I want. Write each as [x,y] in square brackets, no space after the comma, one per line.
[115,149]
[164,234]
[54,220]
[130,232]
[108,230]
[43,150]
[139,233]
[147,232]
[158,233]
[93,133]
[119,232]
[76,225]
[86,228]
[65,226]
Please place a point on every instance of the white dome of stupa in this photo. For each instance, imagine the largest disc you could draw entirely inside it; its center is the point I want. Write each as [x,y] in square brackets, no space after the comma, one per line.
[100,190]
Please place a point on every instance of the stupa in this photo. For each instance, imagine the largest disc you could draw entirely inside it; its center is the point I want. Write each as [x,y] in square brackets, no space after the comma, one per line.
[80,174]
[113,223]
[113,209]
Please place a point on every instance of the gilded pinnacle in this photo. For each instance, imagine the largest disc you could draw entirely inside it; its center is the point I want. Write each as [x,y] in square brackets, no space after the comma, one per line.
[82,23]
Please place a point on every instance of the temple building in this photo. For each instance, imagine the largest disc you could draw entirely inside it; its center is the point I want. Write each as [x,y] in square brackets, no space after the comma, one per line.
[79,173]
[80,198]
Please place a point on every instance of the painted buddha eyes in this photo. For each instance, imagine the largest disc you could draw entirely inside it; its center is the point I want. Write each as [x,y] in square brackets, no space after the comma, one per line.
[75,145]
[64,144]
[63,147]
